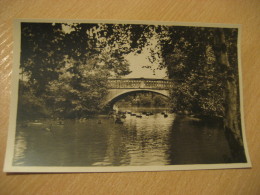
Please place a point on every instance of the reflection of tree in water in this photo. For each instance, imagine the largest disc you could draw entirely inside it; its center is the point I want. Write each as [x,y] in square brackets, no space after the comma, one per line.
[194,141]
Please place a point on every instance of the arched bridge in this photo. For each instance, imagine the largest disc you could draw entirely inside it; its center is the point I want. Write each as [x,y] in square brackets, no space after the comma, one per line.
[121,87]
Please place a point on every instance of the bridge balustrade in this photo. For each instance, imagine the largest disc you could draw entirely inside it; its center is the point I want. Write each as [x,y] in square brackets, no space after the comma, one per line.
[140,83]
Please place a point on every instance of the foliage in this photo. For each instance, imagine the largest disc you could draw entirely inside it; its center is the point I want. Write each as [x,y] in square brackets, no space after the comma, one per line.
[30,106]
[189,54]
[71,98]
[67,65]
[144,99]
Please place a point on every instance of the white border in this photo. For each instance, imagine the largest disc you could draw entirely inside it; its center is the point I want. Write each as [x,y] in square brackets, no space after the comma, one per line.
[8,167]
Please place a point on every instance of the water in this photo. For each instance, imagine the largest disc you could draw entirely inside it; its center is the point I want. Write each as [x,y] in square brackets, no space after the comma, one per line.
[98,141]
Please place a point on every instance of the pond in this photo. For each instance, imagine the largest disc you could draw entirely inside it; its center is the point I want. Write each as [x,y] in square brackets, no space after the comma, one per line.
[155,139]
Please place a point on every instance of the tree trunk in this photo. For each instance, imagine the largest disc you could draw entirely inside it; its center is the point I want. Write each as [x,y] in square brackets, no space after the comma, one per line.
[232,112]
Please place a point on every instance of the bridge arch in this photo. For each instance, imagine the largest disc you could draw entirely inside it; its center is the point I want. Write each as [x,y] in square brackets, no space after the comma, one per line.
[115,95]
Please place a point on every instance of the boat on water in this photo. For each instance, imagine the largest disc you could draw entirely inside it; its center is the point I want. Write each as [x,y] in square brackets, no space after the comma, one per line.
[139,116]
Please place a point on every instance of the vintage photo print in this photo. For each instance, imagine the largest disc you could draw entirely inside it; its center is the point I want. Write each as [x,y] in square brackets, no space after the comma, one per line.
[108,96]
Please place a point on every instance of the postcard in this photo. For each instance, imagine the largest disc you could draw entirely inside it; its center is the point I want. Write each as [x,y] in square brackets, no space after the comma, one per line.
[111,96]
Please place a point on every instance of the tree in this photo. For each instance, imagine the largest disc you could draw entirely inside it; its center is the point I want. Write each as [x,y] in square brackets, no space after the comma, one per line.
[231,92]
[68,64]
[29,106]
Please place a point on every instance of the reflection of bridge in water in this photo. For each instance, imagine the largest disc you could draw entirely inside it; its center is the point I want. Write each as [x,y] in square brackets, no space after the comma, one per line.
[119,88]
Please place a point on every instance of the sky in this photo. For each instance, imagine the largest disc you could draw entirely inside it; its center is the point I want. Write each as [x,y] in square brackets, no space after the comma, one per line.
[137,61]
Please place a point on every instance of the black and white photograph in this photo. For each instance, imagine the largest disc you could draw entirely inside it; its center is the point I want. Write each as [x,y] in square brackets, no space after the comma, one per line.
[109,96]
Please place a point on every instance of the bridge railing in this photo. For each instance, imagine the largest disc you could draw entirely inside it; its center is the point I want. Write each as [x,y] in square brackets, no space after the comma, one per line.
[140,83]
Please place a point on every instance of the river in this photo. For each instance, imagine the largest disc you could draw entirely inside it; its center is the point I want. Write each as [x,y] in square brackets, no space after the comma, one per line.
[99,141]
